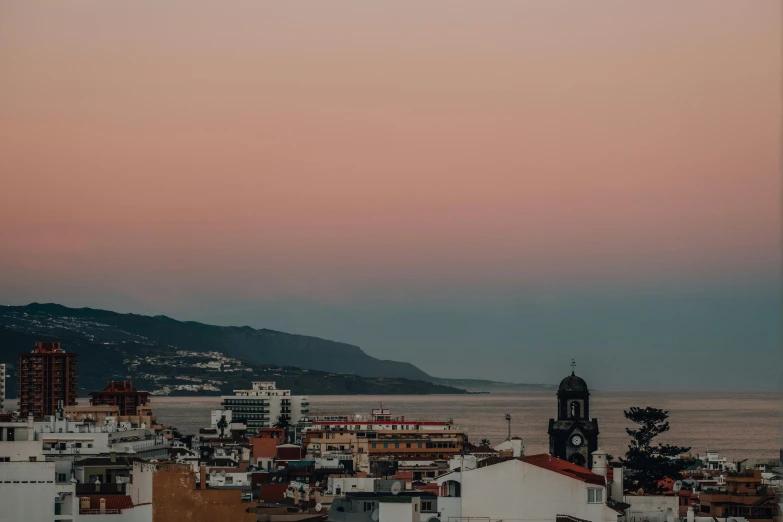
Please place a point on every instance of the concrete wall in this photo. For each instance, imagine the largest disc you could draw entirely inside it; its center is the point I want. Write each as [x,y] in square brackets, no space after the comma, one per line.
[27,491]
[175,497]
[400,511]
[518,490]
[650,507]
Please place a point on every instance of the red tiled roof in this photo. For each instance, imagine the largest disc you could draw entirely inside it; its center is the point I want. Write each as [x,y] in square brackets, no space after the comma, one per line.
[112,501]
[565,468]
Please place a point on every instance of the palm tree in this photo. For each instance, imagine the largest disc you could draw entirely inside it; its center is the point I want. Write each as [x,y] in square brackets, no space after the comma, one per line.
[485,443]
[222,425]
[283,421]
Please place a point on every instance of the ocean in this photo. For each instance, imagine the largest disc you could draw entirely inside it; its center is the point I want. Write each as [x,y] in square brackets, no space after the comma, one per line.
[736,425]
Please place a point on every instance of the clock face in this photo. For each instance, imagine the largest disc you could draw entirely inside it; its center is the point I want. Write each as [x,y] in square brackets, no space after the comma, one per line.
[576,440]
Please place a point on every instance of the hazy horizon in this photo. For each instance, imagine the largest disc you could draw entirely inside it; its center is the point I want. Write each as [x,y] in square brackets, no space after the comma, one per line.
[485,191]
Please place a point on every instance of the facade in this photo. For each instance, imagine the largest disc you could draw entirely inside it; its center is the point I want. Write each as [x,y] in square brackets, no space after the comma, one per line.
[539,487]
[122,395]
[573,436]
[744,495]
[47,380]
[29,489]
[260,406]
[2,387]
[379,438]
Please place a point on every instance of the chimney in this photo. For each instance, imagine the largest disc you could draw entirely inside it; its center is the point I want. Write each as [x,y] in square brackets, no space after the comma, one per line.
[84,503]
[113,457]
[599,462]
[30,427]
[97,485]
[690,514]
[203,477]
[103,506]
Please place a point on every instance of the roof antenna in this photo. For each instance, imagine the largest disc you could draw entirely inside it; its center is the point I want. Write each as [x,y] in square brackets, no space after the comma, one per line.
[573,365]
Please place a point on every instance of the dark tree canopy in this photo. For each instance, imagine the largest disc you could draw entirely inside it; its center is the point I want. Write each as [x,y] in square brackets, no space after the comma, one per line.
[648,463]
[222,424]
[283,421]
[485,443]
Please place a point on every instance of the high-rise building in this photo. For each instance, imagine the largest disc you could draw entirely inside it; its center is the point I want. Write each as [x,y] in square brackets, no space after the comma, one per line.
[47,378]
[121,394]
[261,406]
[2,387]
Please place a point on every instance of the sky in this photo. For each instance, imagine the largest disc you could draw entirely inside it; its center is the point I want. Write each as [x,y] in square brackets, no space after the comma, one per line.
[483,189]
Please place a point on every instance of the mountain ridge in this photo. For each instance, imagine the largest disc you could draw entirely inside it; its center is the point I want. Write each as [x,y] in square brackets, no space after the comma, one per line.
[243,342]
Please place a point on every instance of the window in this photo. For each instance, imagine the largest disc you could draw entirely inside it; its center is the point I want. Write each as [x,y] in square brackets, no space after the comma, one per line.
[396,444]
[374,445]
[33,459]
[408,445]
[5,459]
[61,477]
[416,508]
[426,505]
[385,444]
[595,496]
[368,506]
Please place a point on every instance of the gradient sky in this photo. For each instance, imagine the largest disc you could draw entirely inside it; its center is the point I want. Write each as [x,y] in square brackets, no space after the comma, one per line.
[483,189]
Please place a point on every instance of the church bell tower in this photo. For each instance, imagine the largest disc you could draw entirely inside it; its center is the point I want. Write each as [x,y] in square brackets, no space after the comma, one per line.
[573,436]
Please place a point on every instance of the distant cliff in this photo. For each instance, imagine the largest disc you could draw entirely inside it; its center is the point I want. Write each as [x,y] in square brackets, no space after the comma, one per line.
[113,345]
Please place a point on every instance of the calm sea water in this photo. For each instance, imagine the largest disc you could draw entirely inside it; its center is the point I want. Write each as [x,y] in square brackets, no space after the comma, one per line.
[736,425]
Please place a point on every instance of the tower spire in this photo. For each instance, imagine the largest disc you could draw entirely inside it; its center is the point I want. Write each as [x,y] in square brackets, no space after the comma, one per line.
[573,365]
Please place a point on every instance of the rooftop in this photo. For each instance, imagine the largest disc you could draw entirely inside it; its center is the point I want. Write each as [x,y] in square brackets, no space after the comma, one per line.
[551,463]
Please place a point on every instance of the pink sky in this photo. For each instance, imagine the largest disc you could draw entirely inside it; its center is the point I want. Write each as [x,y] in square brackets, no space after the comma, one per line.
[273,148]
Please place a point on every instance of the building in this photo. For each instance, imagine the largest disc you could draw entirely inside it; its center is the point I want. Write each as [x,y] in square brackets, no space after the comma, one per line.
[120,394]
[47,380]
[263,404]
[29,487]
[573,436]
[410,506]
[538,487]
[744,495]
[2,387]
[378,442]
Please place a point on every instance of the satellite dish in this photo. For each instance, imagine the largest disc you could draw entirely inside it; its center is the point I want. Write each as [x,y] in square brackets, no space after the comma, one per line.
[376,515]
[396,488]
[317,484]
[677,486]
[318,507]
[433,519]
[222,473]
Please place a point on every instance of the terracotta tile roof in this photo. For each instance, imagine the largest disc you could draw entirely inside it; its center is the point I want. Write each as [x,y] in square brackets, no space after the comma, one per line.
[112,501]
[565,468]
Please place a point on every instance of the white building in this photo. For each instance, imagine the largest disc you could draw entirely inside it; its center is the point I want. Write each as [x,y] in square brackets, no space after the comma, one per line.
[261,406]
[513,445]
[28,488]
[540,487]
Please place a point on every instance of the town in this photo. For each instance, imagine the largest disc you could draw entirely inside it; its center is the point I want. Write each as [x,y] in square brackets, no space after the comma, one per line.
[264,455]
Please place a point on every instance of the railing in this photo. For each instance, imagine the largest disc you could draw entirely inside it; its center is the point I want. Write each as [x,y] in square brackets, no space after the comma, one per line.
[99,512]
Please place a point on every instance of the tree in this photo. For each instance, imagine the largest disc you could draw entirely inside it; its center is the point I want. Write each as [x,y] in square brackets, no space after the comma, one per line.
[222,425]
[648,463]
[283,421]
[485,443]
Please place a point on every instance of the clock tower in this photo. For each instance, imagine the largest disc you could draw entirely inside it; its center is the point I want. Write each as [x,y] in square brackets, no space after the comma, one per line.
[573,436]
